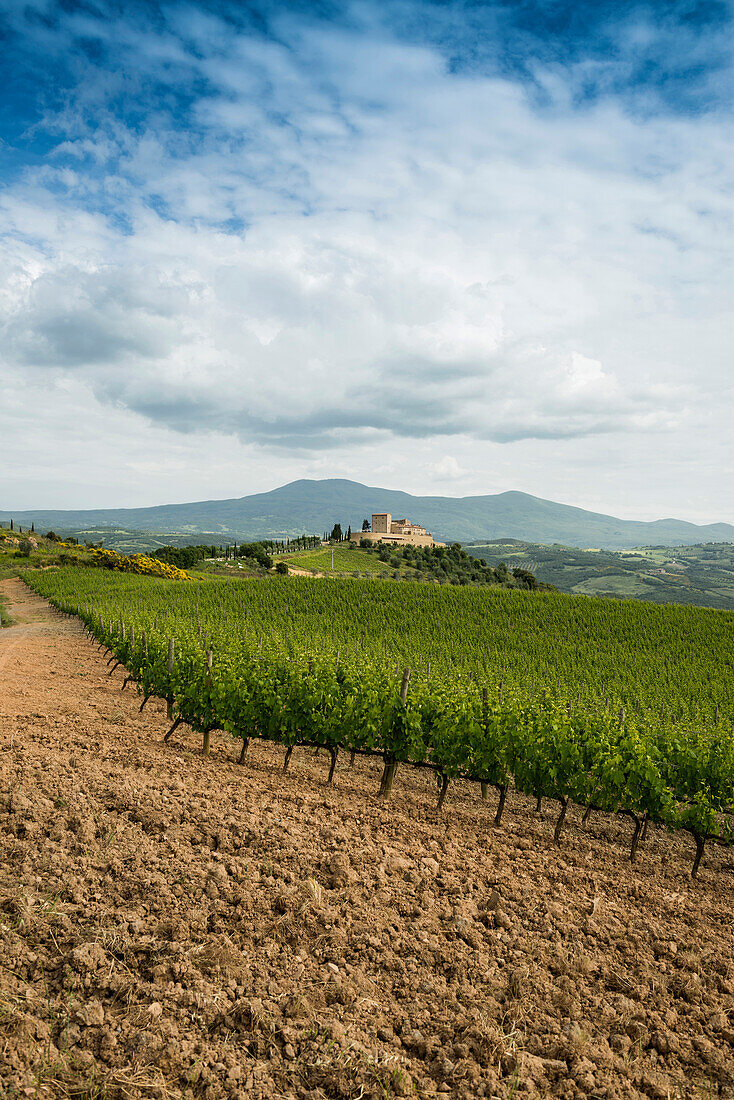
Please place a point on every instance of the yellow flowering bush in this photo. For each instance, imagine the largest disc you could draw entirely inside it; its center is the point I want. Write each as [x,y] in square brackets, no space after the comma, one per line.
[138,563]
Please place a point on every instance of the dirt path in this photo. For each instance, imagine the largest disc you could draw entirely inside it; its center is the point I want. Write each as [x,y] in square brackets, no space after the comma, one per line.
[174,925]
[32,618]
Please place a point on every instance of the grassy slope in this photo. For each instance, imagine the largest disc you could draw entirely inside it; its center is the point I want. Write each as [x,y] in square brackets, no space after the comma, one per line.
[44,553]
[345,561]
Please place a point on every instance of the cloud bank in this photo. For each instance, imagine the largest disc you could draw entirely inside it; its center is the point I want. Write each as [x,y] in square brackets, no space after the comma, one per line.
[330,238]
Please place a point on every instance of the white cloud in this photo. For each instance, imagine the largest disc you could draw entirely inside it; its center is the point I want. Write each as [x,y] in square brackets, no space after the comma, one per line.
[357,250]
[447,469]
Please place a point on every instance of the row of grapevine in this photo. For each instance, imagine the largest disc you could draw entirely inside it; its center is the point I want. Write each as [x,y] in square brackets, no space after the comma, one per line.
[662,663]
[678,774]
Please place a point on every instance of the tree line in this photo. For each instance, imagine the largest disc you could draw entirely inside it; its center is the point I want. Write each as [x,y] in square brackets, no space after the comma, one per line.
[259,552]
[451,564]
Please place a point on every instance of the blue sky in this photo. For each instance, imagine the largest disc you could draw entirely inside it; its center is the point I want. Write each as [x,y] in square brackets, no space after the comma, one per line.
[444,247]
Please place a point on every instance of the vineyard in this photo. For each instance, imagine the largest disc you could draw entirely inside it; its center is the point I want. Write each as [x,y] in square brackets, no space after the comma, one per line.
[617,707]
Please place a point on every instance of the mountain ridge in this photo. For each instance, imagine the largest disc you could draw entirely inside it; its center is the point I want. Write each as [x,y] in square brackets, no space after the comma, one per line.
[308,505]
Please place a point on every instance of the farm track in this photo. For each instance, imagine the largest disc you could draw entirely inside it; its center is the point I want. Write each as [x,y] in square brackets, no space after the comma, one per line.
[174,925]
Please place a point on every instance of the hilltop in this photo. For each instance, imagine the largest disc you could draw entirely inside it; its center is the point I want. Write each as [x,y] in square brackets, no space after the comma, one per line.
[314,506]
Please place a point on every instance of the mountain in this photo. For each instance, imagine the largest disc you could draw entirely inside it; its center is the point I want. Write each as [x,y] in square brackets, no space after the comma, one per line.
[314,506]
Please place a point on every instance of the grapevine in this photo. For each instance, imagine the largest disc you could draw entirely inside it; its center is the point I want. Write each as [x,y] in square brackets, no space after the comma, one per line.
[510,694]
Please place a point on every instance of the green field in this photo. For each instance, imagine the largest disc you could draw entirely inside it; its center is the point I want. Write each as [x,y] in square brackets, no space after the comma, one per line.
[700,575]
[615,705]
[432,564]
[346,560]
[597,651]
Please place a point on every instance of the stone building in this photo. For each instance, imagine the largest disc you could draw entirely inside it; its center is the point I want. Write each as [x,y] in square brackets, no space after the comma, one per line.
[387,529]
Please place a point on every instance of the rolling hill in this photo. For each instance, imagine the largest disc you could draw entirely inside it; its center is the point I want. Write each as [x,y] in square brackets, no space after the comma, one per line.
[700,575]
[314,506]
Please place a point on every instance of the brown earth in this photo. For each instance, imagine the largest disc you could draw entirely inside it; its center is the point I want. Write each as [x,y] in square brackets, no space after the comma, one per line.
[175,925]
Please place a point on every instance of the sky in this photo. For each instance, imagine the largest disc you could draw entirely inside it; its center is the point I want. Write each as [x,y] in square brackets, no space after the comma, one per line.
[447,246]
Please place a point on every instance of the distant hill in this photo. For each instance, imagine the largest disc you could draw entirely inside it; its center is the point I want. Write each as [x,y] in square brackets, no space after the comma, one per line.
[314,506]
[701,575]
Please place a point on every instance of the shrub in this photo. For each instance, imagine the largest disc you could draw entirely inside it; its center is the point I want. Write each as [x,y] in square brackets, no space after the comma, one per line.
[282,569]
[137,563]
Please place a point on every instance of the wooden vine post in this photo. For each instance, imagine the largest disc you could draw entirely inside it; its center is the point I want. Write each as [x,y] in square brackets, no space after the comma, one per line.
[391,763]
[485,707]
[130,677]
[207,731]
[169,697]
[404,687]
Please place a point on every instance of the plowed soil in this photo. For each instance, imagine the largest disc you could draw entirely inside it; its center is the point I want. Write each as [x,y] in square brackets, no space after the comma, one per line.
[179,925]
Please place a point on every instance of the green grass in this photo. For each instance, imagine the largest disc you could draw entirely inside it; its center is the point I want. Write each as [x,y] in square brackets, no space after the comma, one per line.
[8,567]
[345,561]
[612,586]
